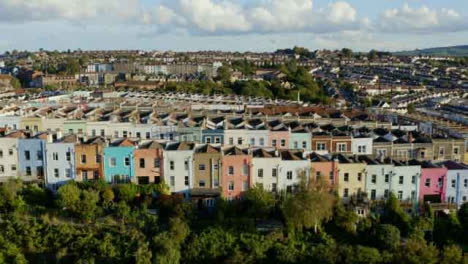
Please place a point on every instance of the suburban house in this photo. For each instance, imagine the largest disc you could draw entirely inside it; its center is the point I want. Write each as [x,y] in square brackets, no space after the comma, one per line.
[178,167]
[279,134]
[149,165]
[31,153]
[9,155]
[351,177]
[207,162]
[294,167]
[433,182]
[265,169]
[89,163]
[457,183]
[60,161]
[323,167]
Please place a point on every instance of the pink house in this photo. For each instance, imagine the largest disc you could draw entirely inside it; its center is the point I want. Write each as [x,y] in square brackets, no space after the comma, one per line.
[432,183]
[236,172]
[324,167]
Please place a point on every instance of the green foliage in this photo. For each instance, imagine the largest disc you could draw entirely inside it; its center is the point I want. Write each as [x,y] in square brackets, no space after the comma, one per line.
[452,254]
[387,237]
[15,83]
[260,202]
[395,215]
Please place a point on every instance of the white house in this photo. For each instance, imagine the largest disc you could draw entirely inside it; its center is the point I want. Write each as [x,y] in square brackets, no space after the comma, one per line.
[178,167]
[292,166]
[265,169]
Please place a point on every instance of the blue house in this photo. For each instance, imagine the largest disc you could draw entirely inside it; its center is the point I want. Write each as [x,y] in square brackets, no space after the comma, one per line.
[119,161]
[60,161]
[31,154]
[213,132]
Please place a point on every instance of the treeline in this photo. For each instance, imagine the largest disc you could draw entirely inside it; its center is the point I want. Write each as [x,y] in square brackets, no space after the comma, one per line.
[297,81]
[98,223]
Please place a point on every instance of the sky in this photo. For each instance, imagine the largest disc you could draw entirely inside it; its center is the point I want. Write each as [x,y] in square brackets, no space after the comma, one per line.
[232,25]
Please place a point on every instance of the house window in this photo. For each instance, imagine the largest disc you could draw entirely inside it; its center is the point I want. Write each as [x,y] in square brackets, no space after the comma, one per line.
[428,183]
[454,182]
[13,167]
[116,134]
[208,140]
[413,179]
[138,134]
[56,173]
[296,145]
[171,165]
[252,141]
[84,175]
[1,153]
[400,195]
[157,162]
[201,167]
[346,177]
[27,155]
[215,166]
[83,159]
[362,149]
[68,173]
[98,158]
[239,141]
[413,195]
[321,146]
[231,170]
[304,144]
[186,165]
[217,140]
[345,192]
[440,183]
[273,143]
[186,181]
[441,151]
[382,152]
[113,162]
[386,194]
[456,150]
[318,175]
[262,141]
[245,170]
[142,163]
[231,141]
[289,175]
[103,133]
[283,143]
[68,155]
[289,189]
[260,173]
[332,176]
[245,186]
[400,180]
[127,161]
[55,156]
[93,132]
[465,183]
[28,171]
[387,178]
[148,135]
[373,195]
[172,181]
[274,172]
[342,147]
[274,187]
[231,186]
[2,169]
[39,155]
[124,133]
[201,183]
[374,179]
[359,176]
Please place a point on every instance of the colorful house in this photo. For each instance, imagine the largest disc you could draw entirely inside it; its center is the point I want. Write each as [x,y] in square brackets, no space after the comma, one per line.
[457,182]
[31,153]
[323,167]
[34,124]
[433,182]
[213,132]
[301,138]
[294,167]
[60,161]
[9,155]
[178,167]
[119,161]
[236,172]
[265,169]
[89,164]
[207,162]
[74,127]
[149,165]
[279,135]
[351,177]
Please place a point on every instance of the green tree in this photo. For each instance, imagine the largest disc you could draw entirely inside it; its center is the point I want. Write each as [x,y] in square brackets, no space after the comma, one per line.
[259,201]
[69,196]
[452,254]
[372,55]
[310,205]
[387,237]
[348,53]
[463,219]
[417,251]
[87,206]
[395,215]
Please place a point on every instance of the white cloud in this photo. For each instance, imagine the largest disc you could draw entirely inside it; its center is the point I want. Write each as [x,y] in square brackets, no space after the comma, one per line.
[71,10]
[422,20]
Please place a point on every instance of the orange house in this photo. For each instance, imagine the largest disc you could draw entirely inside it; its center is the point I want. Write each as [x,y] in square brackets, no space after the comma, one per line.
[149,162]
[236,172]
[89,165]
[324,167]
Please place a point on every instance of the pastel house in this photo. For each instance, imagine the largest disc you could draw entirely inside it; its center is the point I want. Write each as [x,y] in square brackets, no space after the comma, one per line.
[433,180]
[323,167]
[119,161]
[60,161]
[457,183]
[236,172]
[149,165]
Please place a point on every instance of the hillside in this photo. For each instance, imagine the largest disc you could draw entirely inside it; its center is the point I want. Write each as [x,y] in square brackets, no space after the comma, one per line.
[440,51]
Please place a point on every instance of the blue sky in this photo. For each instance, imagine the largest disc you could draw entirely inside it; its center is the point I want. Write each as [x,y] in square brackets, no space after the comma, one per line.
[255,25]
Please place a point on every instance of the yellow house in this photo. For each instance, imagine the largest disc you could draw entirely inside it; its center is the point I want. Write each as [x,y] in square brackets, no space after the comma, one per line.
[351,177]
[34,124]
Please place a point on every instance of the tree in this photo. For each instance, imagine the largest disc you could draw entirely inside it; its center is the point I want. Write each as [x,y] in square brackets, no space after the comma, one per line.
[259,201]
[108,196]
[366,255]
[372,55]
[126,192]
[387,237]
[87,205]
[309,206]
[417,251]
[223,74]
[69,196]
[394,215]
[348,53]
[463,219]
[452,254]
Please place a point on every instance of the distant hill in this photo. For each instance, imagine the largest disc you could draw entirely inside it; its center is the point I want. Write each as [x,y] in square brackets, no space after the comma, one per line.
[441,51]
